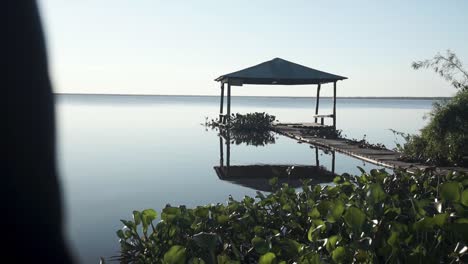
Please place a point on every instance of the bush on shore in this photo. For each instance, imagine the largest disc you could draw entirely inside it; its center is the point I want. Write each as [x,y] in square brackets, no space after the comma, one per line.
[444,141]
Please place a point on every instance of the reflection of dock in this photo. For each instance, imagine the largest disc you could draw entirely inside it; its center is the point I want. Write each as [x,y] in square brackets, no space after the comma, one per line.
[382,157]
[258,176]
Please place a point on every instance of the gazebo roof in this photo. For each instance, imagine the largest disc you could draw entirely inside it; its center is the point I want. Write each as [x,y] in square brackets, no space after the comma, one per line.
[279,71]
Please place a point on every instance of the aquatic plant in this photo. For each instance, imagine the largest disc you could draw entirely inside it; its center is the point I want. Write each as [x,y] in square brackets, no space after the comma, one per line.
[364,143]
[324,132]
[375,218]
[252,129]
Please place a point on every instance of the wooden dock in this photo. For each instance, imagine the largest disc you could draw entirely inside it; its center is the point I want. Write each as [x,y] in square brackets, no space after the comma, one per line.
[382,157]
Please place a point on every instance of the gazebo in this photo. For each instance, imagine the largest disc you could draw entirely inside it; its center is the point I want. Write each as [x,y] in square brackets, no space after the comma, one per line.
[279,72]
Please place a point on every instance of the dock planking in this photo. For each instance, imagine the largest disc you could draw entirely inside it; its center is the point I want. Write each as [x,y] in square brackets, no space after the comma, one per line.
[382,157]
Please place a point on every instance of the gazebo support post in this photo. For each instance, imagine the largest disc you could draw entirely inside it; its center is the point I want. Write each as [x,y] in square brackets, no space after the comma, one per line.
[317,163]
[333,162]
[221,154]
[228,102]
[221,104]
[228,150]
[334,105]
[317,102]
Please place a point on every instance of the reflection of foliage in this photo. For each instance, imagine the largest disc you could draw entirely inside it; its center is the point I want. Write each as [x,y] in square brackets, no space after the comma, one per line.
[375,218]
[250,138]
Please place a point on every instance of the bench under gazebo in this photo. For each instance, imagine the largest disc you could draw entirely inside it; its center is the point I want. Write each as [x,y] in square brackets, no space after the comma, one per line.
[280,72]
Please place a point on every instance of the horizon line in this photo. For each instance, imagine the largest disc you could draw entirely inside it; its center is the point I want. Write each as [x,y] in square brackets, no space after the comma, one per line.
[261,96]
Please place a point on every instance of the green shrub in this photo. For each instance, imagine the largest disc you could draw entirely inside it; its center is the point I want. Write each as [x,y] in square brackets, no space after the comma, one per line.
[254,129]
[444,141]
[375,218]
[251,122]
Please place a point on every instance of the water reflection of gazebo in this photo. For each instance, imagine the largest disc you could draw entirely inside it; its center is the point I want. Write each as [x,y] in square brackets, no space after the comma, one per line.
[280,72]
[257,176]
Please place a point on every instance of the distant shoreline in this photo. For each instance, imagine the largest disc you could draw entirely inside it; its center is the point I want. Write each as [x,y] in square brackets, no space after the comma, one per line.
[248,96]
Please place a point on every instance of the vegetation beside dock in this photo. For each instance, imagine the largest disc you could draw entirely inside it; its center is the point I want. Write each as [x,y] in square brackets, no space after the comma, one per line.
[375,218]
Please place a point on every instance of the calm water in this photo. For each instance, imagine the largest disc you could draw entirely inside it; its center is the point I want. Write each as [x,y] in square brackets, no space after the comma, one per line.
[121,153]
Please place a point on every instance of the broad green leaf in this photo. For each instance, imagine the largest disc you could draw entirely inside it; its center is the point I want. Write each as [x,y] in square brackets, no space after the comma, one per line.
[362,256]
[331,243]
[170,213]
[268,258]
[314,230]
[324,207]
[260,245]
[336,211]
[354,218]
[310,259]
[201,211]
[361,170]
[172,231]
[206,240]
[425,224]
[175,255]
[222,219]
[375,193]
[339,255]
[314,213]
[338,179]
[450,191]
[224,259]
[290,247]
[440,219]
[150,214]
[393,240]
[147,216]
[137,217]
[128,224]
[120,234]
[464,197]
[258,229]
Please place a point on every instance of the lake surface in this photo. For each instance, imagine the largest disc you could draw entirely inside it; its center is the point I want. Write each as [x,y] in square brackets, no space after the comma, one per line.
[123,153]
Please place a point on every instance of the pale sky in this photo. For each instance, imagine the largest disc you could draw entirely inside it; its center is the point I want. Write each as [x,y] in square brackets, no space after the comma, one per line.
[179,47]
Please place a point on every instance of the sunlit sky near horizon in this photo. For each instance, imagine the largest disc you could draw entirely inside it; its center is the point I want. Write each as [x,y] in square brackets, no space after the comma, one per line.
[180,47]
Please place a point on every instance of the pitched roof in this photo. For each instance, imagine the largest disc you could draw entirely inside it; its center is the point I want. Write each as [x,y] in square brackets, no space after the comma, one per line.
[279,71]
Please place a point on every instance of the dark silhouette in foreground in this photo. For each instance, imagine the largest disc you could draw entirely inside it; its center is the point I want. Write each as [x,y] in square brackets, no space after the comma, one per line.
[32,230]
